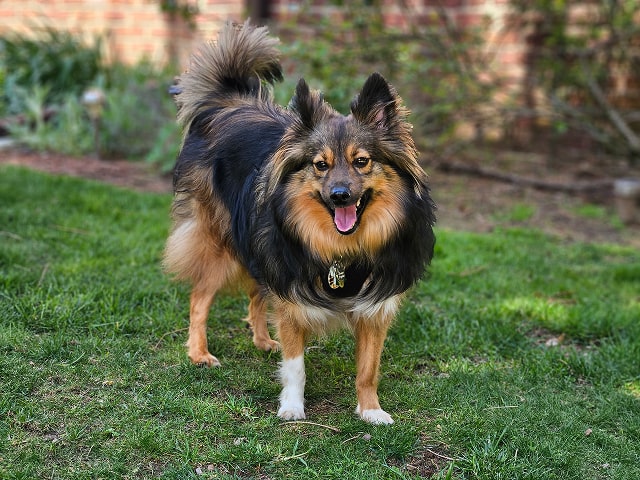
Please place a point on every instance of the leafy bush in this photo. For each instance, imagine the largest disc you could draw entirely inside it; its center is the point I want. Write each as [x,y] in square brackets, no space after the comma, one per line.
[43,80]
[56,61]
[66,131]
[579,53]
[338,56]
[437,67]
[137,109]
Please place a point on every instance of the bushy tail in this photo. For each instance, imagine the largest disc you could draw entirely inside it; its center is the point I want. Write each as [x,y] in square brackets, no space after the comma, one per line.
[243,57]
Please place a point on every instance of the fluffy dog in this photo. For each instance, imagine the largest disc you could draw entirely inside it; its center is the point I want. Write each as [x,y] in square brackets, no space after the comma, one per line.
[325,217]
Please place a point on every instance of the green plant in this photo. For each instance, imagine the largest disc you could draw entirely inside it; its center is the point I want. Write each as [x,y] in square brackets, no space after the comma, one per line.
[439,67]
[62,127]
[133,118]
[340,54]
[45,78]
[138,119]
[518,212]
[184,9]
[54,60]
[166,146]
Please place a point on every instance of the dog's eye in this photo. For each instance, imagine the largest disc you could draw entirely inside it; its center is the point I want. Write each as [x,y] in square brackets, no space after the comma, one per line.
[361,162]
[321,166]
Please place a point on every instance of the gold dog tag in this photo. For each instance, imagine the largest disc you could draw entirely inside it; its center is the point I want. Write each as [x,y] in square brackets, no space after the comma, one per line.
[336,274]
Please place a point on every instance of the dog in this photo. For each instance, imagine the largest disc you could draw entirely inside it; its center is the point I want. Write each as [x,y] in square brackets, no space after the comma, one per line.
[325,218]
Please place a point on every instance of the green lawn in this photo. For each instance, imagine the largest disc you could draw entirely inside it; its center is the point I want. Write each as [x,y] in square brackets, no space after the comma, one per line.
[95,382]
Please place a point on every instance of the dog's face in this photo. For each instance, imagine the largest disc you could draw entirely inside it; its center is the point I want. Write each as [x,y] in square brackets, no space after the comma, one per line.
[344,178]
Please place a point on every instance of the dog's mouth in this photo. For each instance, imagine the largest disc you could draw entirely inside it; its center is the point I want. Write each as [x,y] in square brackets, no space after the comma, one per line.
[347,218]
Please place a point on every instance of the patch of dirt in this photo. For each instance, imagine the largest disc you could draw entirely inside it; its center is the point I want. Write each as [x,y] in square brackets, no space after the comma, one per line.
[428,459]
[135,175]
[464,202]
[471,203]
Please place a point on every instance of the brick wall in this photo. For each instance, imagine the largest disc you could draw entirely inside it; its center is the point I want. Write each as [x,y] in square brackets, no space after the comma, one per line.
[135,29]
[131,29]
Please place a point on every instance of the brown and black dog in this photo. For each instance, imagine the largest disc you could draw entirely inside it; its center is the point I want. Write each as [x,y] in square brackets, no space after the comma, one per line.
[325,217]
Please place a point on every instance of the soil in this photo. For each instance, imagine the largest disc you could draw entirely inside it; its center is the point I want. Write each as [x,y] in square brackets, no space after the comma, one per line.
[464,202]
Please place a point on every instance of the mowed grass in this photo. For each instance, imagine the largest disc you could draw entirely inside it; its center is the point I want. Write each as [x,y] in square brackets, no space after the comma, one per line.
[518,357]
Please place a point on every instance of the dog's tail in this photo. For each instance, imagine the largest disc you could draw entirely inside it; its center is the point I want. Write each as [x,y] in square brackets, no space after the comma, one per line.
[236,65]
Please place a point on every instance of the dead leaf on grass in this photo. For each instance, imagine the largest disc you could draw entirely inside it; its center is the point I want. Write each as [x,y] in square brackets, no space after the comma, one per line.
[555,341]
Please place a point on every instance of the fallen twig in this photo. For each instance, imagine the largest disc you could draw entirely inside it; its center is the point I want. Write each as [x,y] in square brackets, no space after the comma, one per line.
[574,187]
[45,269]
[11,235]
[439,455]
[616,119]
[155,347]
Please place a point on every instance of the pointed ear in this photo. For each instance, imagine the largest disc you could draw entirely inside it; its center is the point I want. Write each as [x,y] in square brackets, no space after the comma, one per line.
[306,104]
[377,103]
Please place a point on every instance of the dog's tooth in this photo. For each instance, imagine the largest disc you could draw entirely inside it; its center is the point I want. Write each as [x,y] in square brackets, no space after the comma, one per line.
[358,203]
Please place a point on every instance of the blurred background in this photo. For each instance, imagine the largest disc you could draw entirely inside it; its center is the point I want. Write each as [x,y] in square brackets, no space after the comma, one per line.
[524,111]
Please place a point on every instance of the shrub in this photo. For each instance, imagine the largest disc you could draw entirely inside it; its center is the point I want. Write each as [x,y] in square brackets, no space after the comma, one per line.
[339,55]
[57,61]
[59,128]
[434,65]
[578,55]
[137,108]
[43,80]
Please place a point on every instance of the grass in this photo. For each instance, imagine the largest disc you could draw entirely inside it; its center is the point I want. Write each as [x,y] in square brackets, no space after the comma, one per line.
[518,357]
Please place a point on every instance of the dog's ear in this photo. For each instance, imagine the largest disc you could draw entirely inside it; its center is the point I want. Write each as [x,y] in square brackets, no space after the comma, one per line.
[377,104]
[306,103]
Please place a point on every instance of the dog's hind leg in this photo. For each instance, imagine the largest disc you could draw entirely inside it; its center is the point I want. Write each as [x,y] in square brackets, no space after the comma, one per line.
[198,350]
[217,271]
[257,320]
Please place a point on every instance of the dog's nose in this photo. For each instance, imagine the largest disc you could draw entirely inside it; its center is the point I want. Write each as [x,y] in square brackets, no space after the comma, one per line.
[340,195]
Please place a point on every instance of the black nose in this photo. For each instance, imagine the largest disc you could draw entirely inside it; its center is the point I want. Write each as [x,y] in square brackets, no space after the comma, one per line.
[340,195]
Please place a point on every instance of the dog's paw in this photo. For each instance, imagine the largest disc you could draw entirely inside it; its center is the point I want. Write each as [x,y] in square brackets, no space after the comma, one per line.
[375,416]
[291,412]
[267,345]
[204,360]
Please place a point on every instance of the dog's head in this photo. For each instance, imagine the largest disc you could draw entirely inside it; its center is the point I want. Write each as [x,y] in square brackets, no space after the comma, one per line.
[345,179]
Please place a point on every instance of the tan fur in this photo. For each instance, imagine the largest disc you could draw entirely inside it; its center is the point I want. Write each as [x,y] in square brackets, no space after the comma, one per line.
[292,333]
[370,337]
[257,319]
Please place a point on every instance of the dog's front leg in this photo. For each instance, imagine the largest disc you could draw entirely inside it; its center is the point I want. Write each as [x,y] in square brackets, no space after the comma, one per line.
[370,336]
[292,340]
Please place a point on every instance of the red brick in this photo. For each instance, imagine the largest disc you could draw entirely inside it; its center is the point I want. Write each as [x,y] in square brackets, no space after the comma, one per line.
[470,19]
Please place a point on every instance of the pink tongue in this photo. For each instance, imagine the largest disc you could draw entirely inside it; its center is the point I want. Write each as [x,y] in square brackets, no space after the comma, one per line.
[345,218]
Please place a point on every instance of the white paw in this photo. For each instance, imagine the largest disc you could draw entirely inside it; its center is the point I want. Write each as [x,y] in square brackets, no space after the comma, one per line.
[292,395]
[375,416]
[291,411]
